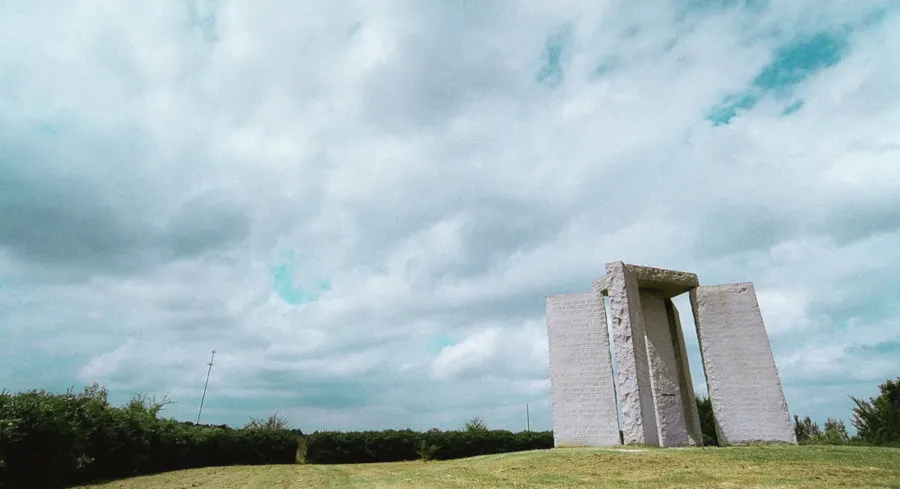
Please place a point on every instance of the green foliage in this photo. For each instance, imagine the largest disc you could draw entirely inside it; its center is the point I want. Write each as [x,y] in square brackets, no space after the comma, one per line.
[475,424]
[50,440]
[143,405]
[707,422]
[806,430]
[302,450]
[877,420]
[362,446]
[330,447]
[835,433]
[45,437]
[273,422]
[426,451]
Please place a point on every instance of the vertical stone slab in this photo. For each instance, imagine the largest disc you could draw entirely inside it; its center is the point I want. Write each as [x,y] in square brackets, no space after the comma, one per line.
[688,398]
[635,391]
[581,376]
[747,398]
[665,375]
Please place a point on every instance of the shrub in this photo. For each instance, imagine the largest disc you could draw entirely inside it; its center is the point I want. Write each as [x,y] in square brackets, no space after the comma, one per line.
[45,439]
[326,447]
[475,424]
[877,420]
[54,440]
[331,447]
[806,430]
[835,433]
[707,422]
[50,440]
[426,451]
[302,450]
[273,422]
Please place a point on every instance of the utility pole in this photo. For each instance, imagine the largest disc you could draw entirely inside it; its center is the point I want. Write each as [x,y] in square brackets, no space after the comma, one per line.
[206,384]
[527,417]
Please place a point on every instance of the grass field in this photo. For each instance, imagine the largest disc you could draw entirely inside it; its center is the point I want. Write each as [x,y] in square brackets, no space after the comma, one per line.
[760,466]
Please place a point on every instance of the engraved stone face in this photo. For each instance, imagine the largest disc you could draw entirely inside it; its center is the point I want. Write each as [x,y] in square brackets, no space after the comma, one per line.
[747,398]
[635,393]
[653,385]
[688,398]
[664,375]
[581,377]
[649,344]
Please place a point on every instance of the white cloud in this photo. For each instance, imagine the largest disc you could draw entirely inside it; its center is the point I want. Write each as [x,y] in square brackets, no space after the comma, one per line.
[158,162]
[785,311]
[469,355]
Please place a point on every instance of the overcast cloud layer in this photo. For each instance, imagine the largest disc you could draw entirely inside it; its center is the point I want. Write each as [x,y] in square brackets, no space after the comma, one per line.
[362,205]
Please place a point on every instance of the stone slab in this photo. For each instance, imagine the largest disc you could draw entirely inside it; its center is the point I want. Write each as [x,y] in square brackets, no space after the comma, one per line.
[746,393]
[665,375]
[581,376]
[688,397]
[633,370]
[669,282]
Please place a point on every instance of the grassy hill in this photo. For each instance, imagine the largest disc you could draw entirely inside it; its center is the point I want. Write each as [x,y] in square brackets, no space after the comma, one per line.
[758,466]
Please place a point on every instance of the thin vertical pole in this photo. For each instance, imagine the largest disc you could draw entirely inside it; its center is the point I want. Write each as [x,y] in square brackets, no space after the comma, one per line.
[528,417]
[208,370]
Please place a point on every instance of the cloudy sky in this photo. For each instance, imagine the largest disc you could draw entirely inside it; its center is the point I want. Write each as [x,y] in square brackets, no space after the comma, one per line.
[361,206]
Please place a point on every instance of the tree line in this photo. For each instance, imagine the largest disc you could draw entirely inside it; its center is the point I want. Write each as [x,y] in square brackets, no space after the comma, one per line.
[877,421]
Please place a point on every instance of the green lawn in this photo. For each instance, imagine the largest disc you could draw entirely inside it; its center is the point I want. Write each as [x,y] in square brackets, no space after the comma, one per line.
[738,467]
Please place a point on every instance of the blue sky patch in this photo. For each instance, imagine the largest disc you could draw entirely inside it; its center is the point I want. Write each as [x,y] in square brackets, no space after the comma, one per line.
[793,63]
[731,106]
[551,73]
[719,5]
[793,107]
[284,285]
[49,129]
[440,342]
[890,347]
[796,62]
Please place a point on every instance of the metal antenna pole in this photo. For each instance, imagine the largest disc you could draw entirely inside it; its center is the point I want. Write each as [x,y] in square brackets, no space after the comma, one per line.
[206,384]
[528,417]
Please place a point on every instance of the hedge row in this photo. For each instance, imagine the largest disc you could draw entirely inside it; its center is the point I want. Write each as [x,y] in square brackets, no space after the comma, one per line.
[330,447]
[53,440]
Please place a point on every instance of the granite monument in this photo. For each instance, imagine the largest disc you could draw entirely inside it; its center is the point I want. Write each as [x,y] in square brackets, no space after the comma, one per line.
[651,398]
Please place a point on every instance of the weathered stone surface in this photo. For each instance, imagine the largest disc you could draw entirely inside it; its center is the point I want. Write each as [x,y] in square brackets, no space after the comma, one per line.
[665,377]
[654,384]
[600,286]
[581,377]
[633,379]
[744,387]
[688,398]
[669,282]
